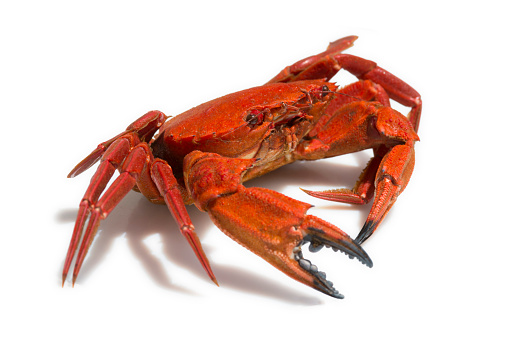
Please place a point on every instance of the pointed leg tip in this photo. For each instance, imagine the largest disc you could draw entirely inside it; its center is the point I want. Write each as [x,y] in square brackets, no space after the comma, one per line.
[195,244]
[338,195]
[310,192]
[366,231]
[212,276]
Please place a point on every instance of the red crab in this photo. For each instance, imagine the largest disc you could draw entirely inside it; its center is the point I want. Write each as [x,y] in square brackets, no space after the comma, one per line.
[203,156]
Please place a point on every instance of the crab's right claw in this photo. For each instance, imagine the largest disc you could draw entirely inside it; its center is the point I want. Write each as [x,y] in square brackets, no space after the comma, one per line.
[268,223]
[319,233]
[275,227]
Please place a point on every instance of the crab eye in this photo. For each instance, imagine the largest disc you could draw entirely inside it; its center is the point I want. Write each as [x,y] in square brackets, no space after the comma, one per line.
[253,118]
[325,91]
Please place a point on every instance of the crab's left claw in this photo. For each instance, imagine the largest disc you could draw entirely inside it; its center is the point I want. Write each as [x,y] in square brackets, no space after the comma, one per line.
[268,223]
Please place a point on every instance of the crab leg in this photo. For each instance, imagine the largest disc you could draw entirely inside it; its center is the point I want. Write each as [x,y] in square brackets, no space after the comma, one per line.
[392,137]
[134,170]
[319,66]
[113,153]
[326,64]
[362,192]
[391,179]
[388,175]
[163,177]
[133,165]
[364,189]
[111,160]
[268,223]
[144,128]
[396,88]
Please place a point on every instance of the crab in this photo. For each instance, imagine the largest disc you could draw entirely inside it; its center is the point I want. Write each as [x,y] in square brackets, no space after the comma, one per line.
[204,155]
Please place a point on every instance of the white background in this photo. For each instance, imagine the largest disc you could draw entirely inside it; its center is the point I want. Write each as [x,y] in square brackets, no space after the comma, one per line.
[73,75]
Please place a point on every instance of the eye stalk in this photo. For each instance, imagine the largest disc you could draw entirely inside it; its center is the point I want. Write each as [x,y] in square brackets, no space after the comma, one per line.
[325,91]
[320,93]
[254,118]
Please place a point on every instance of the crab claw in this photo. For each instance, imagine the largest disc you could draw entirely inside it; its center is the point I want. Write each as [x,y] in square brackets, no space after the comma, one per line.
[268,223]
[319,233]
[275,227]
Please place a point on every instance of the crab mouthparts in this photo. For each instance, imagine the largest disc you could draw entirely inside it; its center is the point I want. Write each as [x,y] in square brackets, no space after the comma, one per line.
[316,243]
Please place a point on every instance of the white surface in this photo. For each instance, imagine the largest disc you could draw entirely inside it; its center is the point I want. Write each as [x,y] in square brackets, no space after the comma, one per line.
[73,75]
